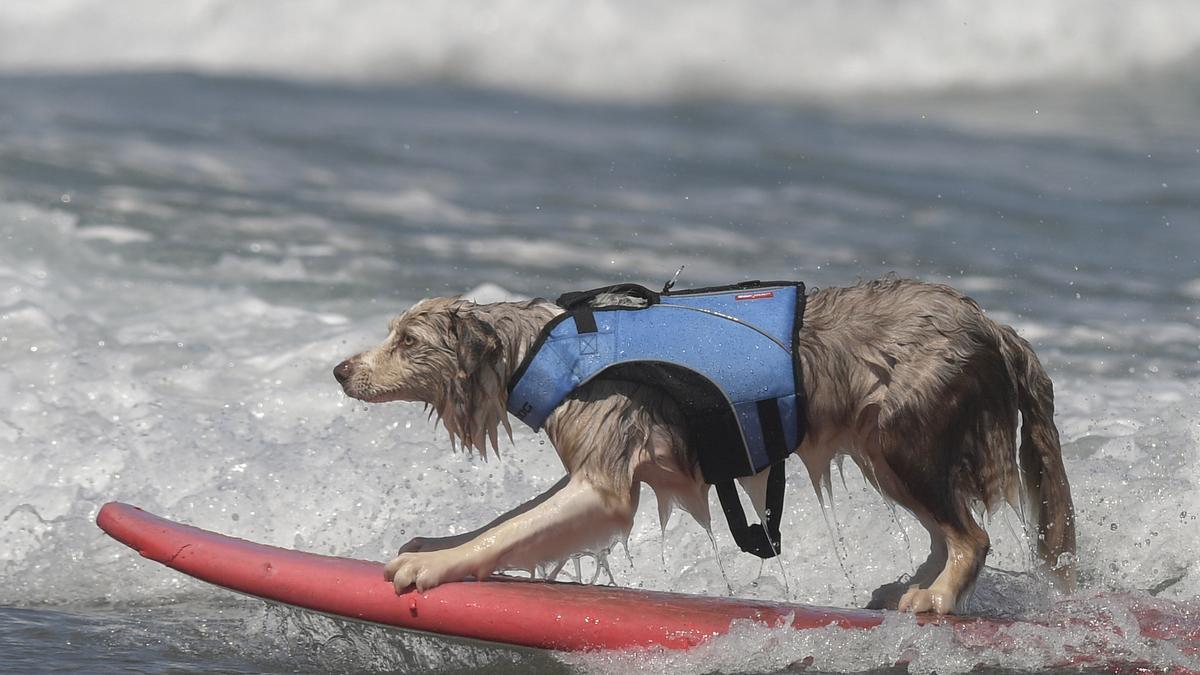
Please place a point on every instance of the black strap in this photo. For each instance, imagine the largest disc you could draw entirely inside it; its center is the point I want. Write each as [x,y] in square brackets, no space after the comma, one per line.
[763,542]
[776,482]
[585,320]
[771,423]
[797,365]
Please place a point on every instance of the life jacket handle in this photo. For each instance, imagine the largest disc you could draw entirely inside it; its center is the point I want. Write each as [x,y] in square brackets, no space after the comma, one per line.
[569,301]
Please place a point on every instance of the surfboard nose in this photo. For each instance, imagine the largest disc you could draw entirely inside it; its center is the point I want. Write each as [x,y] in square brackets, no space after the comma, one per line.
[114,519]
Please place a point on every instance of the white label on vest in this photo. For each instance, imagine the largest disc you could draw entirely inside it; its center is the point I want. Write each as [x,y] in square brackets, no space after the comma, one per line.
[758,295]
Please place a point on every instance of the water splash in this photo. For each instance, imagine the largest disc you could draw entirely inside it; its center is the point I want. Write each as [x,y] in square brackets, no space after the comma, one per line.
[599,565]
[834,530]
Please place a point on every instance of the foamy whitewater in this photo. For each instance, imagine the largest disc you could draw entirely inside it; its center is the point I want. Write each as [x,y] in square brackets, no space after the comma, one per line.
[205,205]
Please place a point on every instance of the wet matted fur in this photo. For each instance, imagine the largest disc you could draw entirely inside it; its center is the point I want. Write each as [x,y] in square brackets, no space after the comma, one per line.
[909,379]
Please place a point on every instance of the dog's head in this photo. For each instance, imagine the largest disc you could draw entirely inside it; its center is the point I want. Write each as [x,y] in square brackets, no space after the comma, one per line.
[431,353]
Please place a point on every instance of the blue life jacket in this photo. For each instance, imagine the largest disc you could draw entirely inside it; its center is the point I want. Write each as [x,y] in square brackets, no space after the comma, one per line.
[726,355]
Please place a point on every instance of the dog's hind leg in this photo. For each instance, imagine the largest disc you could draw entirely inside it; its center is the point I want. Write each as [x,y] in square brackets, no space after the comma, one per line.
[957,545]
[957,550]
[966,550]
[943,582]
[888,595]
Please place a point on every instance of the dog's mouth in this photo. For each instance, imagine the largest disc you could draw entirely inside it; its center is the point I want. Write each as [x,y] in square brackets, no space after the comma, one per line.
[368,396]
[361,388]
[383,397]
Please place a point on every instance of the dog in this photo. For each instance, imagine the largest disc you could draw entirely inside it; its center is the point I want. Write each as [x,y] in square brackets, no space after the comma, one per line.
[911,380]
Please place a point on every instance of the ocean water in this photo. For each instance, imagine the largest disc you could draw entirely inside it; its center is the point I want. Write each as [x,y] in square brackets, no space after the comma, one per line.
[204,209]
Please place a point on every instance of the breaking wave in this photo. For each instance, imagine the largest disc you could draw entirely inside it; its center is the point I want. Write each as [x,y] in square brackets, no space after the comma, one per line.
[616,49]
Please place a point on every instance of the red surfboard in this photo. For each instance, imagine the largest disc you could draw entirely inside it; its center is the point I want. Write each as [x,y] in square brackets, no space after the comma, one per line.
[540,614]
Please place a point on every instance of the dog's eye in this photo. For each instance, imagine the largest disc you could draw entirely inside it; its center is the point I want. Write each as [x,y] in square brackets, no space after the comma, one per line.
[409,340]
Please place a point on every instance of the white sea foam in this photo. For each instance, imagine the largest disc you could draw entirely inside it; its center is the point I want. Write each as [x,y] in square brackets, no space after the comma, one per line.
[216,406]
[489,292]
[615,49]
[1109,633]
[115,234]
[416,204]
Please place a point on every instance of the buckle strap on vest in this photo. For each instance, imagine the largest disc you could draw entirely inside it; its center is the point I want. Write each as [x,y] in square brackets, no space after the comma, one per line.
[763,542]
[585,319]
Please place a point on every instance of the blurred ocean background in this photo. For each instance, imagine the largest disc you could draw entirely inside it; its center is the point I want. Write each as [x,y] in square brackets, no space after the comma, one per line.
[206,204]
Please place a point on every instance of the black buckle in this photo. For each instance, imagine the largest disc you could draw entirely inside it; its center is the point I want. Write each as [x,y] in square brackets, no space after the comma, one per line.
[763,542]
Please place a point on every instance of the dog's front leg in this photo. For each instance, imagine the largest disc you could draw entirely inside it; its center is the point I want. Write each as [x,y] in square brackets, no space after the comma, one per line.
[441,543]
[579,516]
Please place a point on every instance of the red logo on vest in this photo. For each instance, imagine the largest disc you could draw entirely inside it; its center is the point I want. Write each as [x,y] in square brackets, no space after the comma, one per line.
[759,295]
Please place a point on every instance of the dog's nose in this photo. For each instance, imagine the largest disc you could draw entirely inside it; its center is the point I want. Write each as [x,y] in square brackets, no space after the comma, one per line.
[342,371]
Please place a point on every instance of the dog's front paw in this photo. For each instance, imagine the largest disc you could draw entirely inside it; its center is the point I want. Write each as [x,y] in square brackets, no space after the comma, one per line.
[917,600]
[424,569]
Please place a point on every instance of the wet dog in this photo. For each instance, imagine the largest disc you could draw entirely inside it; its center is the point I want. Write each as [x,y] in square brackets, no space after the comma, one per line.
[911,380]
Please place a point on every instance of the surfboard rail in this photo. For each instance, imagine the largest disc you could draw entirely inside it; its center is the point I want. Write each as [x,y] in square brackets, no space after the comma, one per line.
[540,614]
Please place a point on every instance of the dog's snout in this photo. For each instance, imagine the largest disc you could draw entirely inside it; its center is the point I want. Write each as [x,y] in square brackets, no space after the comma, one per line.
[342,371]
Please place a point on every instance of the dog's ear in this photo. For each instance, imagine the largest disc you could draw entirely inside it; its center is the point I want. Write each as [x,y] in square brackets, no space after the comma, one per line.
[478,342]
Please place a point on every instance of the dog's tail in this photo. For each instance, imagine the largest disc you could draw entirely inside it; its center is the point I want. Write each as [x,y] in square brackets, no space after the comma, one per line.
[1046,493]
